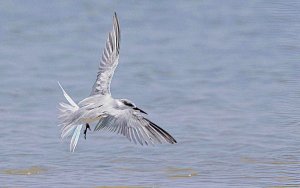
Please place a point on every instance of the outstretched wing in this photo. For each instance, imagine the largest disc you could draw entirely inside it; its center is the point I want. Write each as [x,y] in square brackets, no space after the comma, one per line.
[135,127]
[109,60]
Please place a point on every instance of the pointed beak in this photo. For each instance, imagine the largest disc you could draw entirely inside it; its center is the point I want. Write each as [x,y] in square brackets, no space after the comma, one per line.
[142,111]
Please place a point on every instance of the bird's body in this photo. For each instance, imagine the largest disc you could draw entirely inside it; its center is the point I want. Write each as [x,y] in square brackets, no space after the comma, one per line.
[117,115]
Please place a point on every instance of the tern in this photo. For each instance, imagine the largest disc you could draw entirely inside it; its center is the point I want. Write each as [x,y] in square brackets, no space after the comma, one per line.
[116,115]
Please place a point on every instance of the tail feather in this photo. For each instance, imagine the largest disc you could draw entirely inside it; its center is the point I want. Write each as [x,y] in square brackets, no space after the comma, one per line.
[75,138]
[70,100]
[66,118]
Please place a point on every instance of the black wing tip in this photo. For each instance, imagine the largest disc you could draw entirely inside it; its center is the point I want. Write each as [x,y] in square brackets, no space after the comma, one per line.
[165,134]
[116,17]
[173,141]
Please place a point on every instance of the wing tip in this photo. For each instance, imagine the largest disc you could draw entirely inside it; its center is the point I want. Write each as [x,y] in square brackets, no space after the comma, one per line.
[170,139]
[116,26]
[115,18]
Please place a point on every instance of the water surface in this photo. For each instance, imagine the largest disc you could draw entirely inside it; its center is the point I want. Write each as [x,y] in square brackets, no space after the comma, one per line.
[222,78]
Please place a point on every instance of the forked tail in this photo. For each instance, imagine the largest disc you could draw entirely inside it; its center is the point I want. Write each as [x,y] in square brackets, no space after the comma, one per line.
[67,119]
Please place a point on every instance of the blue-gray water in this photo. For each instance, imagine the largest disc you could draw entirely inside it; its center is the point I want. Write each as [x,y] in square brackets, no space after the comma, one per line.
[221,77]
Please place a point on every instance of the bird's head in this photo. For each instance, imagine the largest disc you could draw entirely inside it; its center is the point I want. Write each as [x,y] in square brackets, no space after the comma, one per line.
[128,103]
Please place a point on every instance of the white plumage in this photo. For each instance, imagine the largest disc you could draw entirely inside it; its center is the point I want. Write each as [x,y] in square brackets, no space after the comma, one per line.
[116,115]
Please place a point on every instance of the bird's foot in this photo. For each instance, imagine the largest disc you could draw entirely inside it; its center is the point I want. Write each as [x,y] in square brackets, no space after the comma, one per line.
[87,126]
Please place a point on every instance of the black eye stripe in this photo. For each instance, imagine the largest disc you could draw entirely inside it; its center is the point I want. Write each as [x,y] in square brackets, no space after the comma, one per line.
[128,104]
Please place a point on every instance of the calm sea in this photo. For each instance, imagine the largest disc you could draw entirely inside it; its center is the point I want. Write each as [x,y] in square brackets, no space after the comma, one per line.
[221,76]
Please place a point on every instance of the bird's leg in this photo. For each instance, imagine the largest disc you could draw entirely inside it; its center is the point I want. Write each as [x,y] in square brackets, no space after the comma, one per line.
[87,126]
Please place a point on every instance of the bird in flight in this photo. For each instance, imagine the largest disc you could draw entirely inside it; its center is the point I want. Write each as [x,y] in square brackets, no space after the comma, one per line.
[116,115]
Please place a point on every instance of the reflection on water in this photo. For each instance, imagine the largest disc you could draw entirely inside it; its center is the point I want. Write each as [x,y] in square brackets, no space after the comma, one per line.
[26,171]
[286,186]
[119,187]
[177,173]
[268,161]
